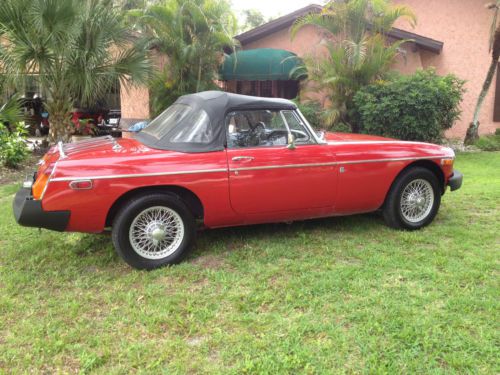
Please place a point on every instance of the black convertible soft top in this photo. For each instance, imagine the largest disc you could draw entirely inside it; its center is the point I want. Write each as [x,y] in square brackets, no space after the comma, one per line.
[195,123]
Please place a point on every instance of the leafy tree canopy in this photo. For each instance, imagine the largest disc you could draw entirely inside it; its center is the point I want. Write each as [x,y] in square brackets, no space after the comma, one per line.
[193,35]
[253,19]
[357,51]
[77,49]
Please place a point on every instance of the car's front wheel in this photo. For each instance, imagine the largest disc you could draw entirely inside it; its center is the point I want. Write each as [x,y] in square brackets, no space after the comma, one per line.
[153,230]
[413,200]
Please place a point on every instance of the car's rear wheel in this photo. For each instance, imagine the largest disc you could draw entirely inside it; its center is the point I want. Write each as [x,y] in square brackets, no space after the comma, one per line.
[413,200]
[153,230]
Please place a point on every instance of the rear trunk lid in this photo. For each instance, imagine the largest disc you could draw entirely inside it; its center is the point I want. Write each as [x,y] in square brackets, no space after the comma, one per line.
[88,146]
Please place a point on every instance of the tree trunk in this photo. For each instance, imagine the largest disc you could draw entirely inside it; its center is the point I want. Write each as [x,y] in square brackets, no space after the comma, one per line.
[473,130]
[61,127]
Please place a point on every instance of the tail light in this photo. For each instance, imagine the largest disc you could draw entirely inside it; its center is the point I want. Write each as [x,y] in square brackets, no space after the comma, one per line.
[42,181]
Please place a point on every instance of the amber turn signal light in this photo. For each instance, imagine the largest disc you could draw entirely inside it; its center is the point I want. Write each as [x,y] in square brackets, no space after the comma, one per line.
[41,182]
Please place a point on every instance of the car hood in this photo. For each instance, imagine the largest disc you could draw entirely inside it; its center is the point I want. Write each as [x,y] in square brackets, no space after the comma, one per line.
[379,146]
[349,137]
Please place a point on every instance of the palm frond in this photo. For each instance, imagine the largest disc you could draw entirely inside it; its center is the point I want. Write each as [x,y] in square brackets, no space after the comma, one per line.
[357,52]
[10,111]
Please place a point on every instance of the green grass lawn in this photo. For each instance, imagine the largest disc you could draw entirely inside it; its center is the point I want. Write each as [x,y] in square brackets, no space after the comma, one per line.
[340,295]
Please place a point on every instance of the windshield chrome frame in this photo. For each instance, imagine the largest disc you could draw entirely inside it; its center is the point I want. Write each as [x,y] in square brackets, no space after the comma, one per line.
[311,129]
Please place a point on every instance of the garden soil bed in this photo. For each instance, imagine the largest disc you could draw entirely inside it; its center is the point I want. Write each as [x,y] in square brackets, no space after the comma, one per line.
[10,176]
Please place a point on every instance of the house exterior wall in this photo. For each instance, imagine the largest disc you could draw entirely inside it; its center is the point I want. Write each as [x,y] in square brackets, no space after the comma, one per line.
[463,26]
[135,99]
[410,61]
[134,102]
[306,42]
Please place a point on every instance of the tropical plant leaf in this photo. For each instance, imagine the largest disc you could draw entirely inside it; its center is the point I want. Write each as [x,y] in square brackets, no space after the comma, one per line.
[357,52]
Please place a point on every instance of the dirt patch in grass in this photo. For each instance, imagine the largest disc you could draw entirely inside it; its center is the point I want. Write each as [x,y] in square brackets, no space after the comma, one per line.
[10,176]
[208,261]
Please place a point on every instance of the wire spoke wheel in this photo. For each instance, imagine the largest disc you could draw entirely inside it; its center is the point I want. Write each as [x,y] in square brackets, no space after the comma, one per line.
[417,200]
[156,232]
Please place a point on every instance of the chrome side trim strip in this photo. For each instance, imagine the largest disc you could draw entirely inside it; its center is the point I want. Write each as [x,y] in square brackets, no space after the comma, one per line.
[75,178]
[332,164]
[387,160]
[337,143]
[286,166]
[220,170]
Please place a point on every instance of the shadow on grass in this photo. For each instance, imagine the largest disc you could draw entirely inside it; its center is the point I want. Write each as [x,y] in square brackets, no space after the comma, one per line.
[91,250]
[344,224]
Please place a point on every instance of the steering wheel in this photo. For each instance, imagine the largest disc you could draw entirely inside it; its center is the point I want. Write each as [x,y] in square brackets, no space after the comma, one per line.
[258,127]
[276,134]
[299,134]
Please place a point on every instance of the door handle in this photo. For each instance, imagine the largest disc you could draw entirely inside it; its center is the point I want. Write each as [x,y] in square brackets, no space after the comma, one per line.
[240,158]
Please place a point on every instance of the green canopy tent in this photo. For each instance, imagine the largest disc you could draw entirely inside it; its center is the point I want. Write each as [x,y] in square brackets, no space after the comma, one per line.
[261,72]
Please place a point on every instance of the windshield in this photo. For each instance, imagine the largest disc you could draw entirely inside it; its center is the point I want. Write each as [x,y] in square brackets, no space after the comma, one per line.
[181,123]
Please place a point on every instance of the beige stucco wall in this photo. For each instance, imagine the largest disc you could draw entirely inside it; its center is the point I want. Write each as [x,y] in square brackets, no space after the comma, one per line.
[463,26]
[135,99]
[410,60]
[134,102]
[306,42]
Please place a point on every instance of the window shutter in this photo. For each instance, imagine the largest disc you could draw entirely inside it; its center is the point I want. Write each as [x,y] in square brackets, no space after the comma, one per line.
[496,109]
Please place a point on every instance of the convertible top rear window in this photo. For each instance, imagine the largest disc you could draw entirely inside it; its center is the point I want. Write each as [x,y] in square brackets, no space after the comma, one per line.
[181,123]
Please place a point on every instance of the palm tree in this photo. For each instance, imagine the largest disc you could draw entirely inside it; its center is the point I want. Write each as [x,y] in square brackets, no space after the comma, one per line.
[192,34]
[76,49]
[357,51]
[473,130]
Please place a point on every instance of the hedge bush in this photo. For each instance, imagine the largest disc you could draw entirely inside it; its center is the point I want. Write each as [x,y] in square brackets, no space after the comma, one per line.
[312,111]
[13,149]
[419,107]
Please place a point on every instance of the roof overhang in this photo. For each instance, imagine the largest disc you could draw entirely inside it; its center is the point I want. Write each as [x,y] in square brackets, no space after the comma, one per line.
[276,25]
[286,21]
[423,42]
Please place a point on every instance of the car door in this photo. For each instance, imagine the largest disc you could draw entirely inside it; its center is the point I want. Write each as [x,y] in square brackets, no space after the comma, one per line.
[265,175]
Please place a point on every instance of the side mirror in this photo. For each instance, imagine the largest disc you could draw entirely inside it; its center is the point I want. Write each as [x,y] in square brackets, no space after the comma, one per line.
[291,142]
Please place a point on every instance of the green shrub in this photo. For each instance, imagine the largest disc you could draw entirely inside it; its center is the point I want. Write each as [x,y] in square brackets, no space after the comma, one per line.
[419,107]
[489,142]
[13,149]
[341,128]
[312,111]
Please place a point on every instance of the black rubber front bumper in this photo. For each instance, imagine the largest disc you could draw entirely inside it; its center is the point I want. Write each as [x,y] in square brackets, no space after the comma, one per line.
[455,181]
[29,213]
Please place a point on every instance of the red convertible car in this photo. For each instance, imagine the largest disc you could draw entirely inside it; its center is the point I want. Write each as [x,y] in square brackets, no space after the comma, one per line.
[217,160]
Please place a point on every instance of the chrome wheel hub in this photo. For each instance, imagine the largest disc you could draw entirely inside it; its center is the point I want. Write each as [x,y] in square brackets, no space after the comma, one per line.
[417,200]
[156,232]
[158,235]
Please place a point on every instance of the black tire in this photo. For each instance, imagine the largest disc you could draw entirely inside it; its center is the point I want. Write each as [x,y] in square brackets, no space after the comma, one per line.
[392,210]
[136,208]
